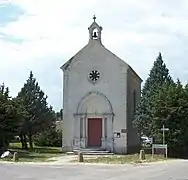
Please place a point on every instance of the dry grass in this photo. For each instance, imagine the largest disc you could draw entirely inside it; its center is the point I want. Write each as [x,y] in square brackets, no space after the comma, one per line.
[124,159]
[37,154]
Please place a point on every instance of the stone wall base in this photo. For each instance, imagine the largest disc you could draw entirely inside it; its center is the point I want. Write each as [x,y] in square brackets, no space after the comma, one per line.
[67,148]
[133,149]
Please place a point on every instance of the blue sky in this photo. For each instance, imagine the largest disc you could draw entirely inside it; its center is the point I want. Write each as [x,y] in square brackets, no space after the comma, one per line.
[41,35]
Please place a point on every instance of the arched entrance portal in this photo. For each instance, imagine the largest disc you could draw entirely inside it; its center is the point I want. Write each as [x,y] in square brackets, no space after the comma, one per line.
[94,122]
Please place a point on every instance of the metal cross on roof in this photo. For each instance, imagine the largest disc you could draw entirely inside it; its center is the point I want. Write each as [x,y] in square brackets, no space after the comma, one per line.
[94,18]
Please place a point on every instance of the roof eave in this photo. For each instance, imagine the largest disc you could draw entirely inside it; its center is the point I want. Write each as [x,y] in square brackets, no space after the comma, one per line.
[135,74]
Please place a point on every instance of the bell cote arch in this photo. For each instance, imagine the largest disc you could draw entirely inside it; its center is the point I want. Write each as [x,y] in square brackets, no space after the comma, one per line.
[95,31]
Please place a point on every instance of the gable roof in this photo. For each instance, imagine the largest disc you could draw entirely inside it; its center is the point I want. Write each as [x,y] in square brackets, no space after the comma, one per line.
[94,42]
[71,60]
[67,64]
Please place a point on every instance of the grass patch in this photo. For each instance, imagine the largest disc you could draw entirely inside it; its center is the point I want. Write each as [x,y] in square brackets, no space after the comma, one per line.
[124,159]
[37,154]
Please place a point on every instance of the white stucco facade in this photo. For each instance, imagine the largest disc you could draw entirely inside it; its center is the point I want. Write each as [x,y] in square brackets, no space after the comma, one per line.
[108,98]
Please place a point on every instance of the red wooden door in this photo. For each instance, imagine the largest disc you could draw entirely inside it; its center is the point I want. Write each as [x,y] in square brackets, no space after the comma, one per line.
[94,132]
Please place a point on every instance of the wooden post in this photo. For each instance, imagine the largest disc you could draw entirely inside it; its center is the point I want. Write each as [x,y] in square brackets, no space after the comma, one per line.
[166,152]
[80,157]
[142,155]
[15,157]
[152,150]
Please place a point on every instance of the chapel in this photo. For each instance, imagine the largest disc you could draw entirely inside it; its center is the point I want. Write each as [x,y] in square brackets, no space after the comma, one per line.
[100,93]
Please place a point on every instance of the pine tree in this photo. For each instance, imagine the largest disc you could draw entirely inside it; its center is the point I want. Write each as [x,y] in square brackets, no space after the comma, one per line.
[158,76]
[10,117]
[40,115]
[170,108]
[59,114]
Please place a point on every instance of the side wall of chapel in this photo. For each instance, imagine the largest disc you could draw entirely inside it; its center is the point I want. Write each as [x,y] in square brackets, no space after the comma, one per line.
[133,96]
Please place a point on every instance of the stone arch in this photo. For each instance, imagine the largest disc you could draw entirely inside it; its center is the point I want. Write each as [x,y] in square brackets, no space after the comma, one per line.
[94,103]
[95,28]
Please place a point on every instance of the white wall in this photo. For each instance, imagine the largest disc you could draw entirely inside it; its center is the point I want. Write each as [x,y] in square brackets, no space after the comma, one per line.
[112,83]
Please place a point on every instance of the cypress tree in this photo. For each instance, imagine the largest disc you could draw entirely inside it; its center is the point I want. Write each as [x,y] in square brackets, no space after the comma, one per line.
[159,75]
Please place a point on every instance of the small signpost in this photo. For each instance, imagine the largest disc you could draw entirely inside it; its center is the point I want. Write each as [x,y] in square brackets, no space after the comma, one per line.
[160,146]
[164,129]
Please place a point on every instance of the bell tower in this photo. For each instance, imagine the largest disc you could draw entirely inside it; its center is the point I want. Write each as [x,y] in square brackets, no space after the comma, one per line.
[95,31]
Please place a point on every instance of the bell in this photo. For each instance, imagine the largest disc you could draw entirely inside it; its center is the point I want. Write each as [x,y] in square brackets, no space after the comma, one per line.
[95,35]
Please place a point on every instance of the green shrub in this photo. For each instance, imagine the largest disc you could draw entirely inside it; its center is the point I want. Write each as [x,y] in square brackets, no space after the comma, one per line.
[51,137]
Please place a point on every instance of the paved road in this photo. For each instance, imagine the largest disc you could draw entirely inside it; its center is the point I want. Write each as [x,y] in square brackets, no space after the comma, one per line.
[172,170]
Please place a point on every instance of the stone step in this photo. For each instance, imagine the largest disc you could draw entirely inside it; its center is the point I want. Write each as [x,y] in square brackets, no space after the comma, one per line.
[92,151]
[88,149]
[98,153]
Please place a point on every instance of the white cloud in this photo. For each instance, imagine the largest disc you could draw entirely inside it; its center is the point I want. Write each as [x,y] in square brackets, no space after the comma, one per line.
[54,30]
